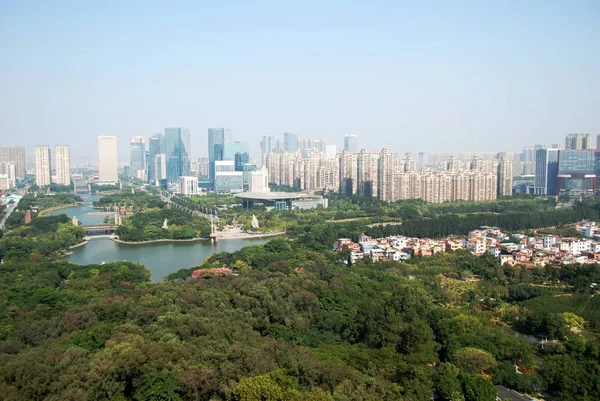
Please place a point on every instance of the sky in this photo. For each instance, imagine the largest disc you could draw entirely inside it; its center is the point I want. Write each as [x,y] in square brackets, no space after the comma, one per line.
[409,76]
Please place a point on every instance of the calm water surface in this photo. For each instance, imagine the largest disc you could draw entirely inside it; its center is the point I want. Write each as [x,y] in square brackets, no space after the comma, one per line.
[160,258]
[82,211]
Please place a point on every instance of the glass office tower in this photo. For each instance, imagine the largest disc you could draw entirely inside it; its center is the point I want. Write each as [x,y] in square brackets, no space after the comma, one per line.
[177,149]
[220,147]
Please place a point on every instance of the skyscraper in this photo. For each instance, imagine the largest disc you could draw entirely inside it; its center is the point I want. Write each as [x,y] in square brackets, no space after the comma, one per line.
[63,165]
[578,142]
[290,142]
[505,176]
[156,146]
[177,147]
[241,154]
[266,145]
[108,165]
[220,147]
[42,165]
[546,171]
[350,143]
[137,157]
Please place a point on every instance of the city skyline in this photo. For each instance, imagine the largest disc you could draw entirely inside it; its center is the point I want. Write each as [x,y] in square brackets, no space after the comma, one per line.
[405,77]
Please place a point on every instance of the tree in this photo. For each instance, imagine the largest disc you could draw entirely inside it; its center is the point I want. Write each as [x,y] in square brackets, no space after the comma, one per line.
[477,388]
[159,387]
[273,386]
[447,382]
[474,360]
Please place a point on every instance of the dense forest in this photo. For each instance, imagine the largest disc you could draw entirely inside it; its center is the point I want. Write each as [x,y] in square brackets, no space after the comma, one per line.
[292,323]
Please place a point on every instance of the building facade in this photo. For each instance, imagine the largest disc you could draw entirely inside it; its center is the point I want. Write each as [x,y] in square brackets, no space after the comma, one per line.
[350,143]
[16,155]
[227,180]
[62,158]
[546,172]
[8,175]
[156,146]
[188,185]
[220,147]
[578,142]
[258,181]
[137,157]
[42,166]
[290,142]
[577,173]
[177,149]
[108,164]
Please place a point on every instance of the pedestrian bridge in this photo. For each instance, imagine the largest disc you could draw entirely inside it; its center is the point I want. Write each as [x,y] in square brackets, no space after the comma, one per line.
[100,229]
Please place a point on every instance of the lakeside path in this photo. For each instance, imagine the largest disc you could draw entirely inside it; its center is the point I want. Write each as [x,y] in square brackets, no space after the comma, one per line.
[232,236]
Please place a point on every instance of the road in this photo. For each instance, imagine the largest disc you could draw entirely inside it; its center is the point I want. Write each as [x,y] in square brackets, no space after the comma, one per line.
[11,208]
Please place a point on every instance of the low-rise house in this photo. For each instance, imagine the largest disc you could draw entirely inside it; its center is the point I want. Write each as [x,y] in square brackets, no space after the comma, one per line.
[454,244]
[506,259]
[476,245]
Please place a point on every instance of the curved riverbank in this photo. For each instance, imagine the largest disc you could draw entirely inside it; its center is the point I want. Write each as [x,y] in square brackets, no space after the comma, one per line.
[250,236]
[55,208]
[219,238]
[80,244]
[158,240]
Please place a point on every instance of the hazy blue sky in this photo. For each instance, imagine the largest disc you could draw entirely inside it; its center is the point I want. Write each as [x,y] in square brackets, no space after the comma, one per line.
[409,76]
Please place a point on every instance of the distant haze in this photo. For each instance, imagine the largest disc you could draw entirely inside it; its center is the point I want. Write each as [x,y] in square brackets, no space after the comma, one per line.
[419,76]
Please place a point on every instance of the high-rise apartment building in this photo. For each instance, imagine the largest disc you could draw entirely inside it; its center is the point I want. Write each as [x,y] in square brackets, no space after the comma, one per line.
[385,176]
[137,157]
[42,166]
[8,175]
[350,143]
[16,155]
[546,172]
[290,142]
[578,142]
[62,159]
[108,164]
[366,171]
[348,173]
[386,171]
[177,149]
[505,176]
